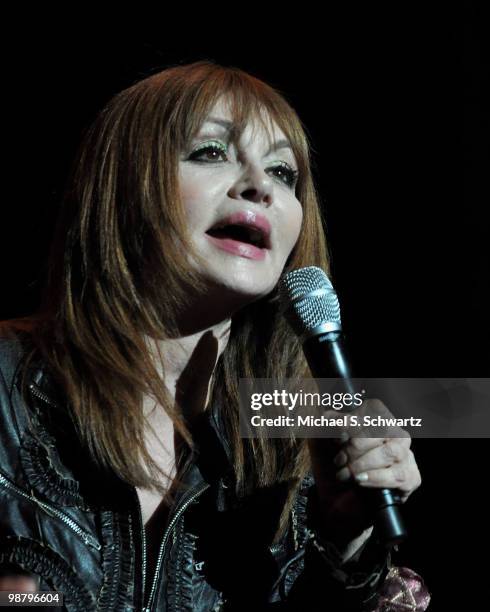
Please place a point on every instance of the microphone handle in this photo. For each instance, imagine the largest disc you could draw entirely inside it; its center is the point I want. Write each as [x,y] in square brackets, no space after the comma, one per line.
[327,358]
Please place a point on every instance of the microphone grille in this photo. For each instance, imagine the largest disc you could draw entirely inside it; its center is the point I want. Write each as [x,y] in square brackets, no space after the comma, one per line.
[309,301]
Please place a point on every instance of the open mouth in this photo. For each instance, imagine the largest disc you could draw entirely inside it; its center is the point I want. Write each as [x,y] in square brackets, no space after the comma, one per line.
[240,233]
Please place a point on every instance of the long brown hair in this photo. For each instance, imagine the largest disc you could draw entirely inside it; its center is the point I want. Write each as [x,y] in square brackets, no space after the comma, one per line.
[117,272]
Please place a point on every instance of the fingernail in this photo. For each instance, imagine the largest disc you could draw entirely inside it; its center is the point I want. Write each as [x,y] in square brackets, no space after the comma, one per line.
[340,459]
[362,477]
[343,474]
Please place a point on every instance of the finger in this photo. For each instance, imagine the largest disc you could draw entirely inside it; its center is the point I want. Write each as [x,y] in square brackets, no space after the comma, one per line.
[356,447]
[19,583]
[376,408]
[390,452]
[404,476]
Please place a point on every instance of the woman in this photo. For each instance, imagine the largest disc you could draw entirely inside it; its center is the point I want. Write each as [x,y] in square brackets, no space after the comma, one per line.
[128,484]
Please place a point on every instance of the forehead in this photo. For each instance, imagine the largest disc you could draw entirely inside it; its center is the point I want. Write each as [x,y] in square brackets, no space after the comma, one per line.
[220,116]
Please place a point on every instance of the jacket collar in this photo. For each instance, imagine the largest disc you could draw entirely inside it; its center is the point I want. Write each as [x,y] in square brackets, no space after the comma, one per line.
[213,453]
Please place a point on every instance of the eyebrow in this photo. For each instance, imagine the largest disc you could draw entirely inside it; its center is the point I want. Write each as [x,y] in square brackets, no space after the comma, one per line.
[228,125]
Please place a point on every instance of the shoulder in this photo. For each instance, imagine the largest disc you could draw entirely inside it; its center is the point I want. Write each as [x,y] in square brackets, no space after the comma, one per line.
[40,450]
[15,344]
[11,353]
[15,414]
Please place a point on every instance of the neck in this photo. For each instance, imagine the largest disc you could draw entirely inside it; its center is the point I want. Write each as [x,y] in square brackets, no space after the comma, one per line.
[187,364]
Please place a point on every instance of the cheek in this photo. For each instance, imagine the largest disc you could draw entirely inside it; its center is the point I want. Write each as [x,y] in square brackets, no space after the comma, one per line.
[191,193]
[292,225]
[196,200]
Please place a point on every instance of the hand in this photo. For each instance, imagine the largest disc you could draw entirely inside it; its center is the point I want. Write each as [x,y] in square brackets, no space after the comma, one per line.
[343,470]
[19,583]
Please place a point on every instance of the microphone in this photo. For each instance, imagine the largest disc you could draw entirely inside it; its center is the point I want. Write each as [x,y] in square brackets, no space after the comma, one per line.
[310,304]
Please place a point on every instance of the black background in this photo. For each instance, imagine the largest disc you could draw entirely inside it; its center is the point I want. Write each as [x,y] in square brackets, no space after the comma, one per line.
[394,107]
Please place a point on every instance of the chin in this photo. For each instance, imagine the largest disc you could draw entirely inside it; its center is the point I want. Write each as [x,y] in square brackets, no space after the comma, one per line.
[241,288]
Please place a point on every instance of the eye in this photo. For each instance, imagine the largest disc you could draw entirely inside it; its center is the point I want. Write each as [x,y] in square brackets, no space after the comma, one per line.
[209,152]
[285,173]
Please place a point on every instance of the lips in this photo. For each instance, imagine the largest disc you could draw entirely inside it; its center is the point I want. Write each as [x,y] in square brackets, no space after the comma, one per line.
[245,227]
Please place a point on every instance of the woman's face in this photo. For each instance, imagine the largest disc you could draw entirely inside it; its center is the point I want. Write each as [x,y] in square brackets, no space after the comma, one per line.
[243,216]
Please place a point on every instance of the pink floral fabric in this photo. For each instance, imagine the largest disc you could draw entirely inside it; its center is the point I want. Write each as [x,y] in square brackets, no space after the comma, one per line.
[403,590]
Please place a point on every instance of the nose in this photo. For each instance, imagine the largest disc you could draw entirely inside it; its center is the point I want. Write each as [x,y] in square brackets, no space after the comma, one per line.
[253,185]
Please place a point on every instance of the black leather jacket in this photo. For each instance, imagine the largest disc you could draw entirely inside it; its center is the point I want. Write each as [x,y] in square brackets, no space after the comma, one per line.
[80,529]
